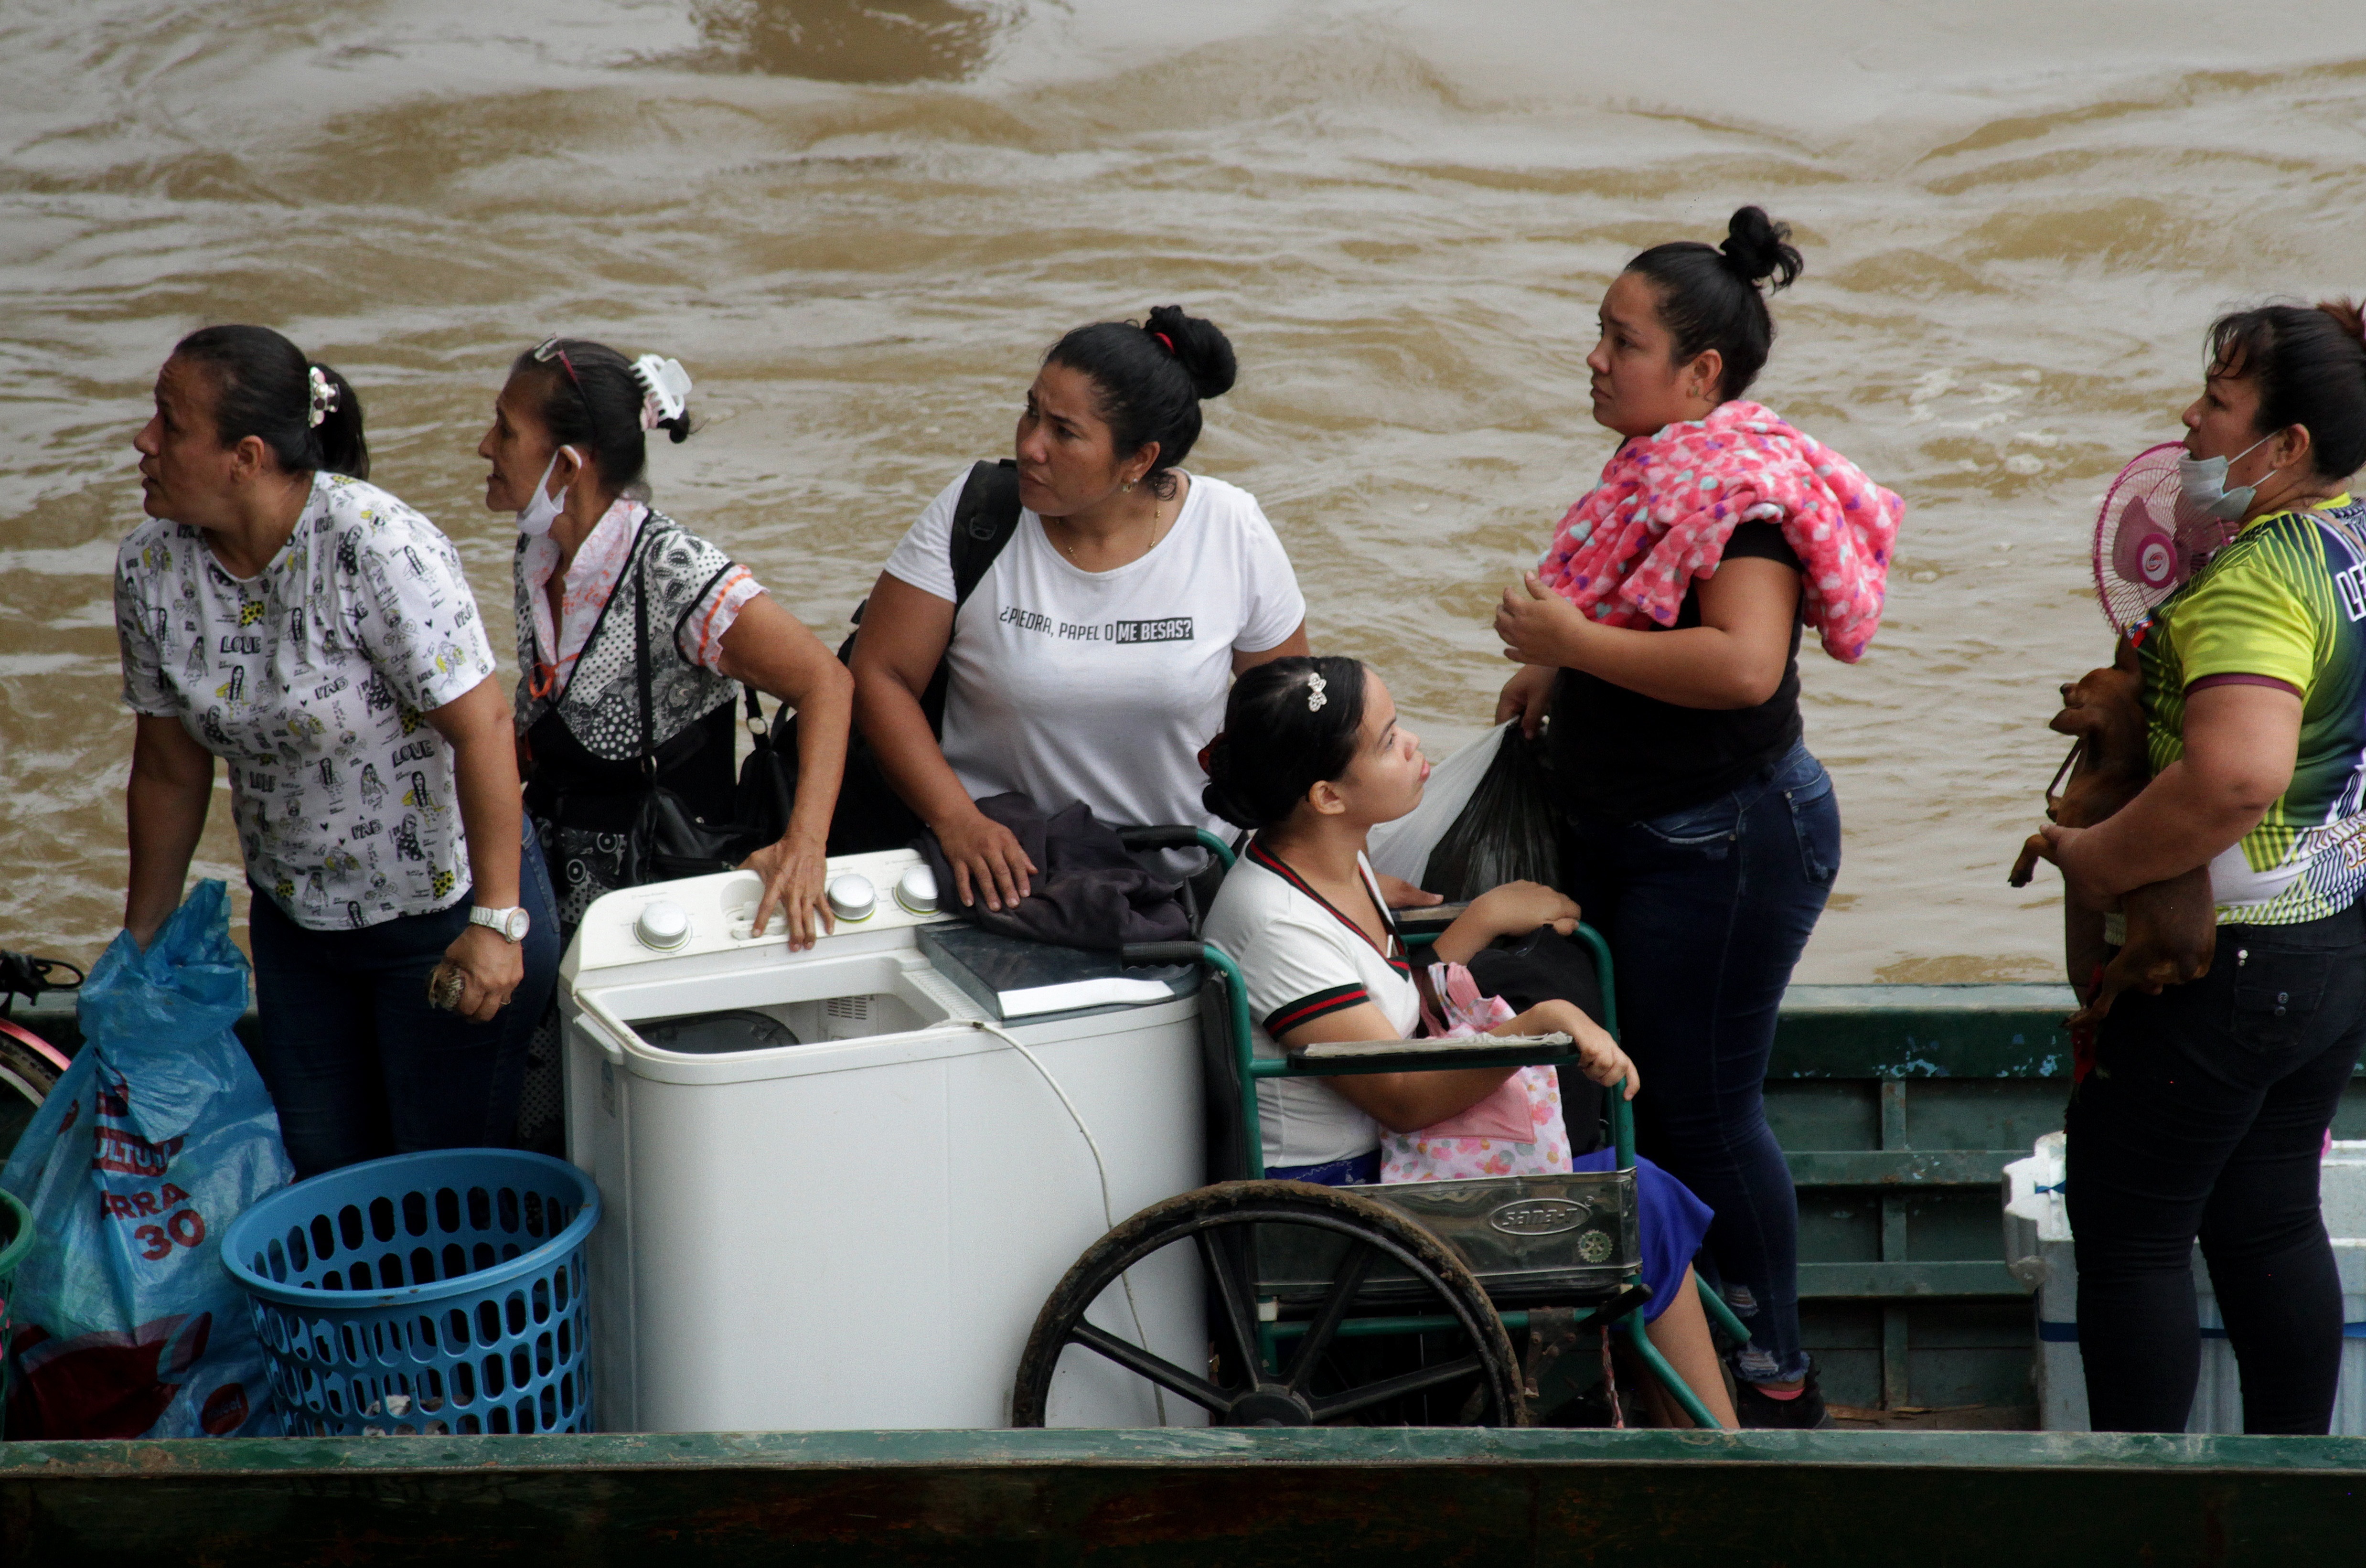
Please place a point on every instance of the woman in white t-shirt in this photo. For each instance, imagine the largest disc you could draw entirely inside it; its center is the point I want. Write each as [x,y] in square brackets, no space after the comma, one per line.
[1092,658]
[1312,758]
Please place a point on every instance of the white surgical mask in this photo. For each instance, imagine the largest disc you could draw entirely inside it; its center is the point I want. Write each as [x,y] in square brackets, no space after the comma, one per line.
[542,509]
[2202,484]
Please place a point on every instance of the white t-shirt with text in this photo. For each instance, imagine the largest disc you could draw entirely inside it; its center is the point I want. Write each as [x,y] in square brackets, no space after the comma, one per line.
[1069,685]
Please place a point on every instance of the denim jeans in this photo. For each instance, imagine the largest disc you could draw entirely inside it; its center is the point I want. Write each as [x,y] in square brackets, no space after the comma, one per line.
[359,1064]
[1707,910]
[2205,1119]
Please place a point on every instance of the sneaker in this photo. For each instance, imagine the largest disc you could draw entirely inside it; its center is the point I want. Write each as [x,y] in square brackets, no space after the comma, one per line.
[1804,1414]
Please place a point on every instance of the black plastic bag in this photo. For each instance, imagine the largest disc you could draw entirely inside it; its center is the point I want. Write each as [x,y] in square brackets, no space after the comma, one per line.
[1509,831]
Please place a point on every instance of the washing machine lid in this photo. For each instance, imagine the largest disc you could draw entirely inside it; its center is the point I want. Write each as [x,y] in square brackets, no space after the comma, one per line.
[1012,977]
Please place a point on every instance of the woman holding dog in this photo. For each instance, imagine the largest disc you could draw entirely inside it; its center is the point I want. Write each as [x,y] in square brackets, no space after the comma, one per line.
[1661,633]
[2205,1110]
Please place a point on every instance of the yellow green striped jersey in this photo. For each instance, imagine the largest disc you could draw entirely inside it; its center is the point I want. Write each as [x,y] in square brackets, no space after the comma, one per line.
[2286,600]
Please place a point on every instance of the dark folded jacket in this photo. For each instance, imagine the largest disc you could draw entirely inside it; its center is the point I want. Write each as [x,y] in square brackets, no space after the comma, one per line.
[1088,891]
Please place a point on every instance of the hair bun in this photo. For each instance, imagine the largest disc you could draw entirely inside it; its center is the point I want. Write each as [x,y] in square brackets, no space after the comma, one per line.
[1217,800]
[1203,350]
[2346,315]
[1758,248]
[1218,796]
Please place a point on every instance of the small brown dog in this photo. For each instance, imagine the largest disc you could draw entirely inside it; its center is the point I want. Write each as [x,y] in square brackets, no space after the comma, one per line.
[2172,928]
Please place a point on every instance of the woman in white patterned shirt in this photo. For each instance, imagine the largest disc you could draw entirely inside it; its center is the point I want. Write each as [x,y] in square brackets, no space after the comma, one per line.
[283,613]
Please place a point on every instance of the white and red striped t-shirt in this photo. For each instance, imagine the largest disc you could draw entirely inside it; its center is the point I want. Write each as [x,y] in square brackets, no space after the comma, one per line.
[1303,959]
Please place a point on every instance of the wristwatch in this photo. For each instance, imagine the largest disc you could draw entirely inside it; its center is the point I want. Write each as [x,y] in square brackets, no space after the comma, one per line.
[512,923]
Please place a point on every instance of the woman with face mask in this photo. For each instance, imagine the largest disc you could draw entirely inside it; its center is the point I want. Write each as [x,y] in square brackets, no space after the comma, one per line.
[1662,633]
[2205,1109]
[282,613]
[1090,661]
[602,580]
[1312,758]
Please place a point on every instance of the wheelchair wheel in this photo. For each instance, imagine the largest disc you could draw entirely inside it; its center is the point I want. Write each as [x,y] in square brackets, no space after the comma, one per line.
[1465,1365]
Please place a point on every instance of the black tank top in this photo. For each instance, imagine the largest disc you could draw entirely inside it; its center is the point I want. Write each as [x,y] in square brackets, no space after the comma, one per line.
[1619,756]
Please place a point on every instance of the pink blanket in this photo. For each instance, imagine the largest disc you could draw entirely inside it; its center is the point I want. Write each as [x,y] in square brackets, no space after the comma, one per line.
[1667,505]
[1516,1131]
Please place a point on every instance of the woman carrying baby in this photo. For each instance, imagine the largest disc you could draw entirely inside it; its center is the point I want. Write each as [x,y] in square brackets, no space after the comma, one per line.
[1661,632]
[2204,1114]
[1312,758]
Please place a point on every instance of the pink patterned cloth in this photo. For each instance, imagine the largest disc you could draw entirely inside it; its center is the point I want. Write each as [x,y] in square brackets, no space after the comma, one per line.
[1516,1131]
[592,578]
[1667,505]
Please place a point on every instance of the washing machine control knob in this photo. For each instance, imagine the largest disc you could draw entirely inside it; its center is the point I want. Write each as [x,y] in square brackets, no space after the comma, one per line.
[917,890]
[851,897]
[664,925]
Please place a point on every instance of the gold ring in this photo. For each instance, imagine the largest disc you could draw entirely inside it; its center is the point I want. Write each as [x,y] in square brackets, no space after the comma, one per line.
[446,987]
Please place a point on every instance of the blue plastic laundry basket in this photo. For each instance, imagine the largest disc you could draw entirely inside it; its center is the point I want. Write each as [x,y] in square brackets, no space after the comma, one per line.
[428,1294]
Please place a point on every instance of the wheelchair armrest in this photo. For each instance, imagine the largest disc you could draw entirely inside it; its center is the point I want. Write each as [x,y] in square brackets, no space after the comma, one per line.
[1431,920]
[1152,954]
[1330,1057]
[1176,836]
[1167,836]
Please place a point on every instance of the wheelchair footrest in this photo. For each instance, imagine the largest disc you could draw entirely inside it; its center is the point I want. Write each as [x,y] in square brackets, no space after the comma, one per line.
[1561,1235]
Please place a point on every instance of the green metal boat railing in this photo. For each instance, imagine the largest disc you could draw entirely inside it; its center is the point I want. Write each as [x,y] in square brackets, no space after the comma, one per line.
[1899,1107]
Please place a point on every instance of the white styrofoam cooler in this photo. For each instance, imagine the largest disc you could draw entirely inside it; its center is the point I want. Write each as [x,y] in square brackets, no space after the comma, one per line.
[858,1231]
[2038,1248]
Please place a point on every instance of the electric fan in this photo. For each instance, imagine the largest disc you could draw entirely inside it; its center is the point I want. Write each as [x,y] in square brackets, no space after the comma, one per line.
[2147,542]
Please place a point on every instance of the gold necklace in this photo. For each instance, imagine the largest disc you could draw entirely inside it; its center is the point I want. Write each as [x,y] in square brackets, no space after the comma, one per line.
[1155,507]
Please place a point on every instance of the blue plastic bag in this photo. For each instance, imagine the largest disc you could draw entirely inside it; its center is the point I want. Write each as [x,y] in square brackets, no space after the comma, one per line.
[153,1141]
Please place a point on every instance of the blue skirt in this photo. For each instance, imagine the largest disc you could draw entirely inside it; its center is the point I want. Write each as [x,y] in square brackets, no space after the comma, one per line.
[1670,1224]
[1356,1170]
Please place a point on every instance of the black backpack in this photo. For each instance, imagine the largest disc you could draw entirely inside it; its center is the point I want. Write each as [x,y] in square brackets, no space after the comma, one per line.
[870,814]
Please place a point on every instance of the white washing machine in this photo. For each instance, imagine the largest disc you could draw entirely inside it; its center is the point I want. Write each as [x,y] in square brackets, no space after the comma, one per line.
[839,1184]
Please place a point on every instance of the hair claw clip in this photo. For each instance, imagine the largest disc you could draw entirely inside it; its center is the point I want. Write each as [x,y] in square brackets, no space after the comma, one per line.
[665,389]
[324,398]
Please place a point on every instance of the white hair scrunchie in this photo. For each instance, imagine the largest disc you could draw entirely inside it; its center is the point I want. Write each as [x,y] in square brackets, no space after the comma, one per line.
[324,398]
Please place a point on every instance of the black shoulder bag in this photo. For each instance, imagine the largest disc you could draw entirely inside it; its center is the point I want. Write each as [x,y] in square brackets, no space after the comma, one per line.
[666,840]
[870,814]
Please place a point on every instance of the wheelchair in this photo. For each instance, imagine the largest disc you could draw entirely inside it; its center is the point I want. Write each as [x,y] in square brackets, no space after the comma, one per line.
[1305,1283]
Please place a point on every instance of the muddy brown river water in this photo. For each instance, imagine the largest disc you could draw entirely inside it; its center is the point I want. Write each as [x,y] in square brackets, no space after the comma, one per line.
[859,225]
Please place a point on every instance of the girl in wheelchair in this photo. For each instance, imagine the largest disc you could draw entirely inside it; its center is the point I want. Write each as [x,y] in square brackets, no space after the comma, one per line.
[1311,759]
